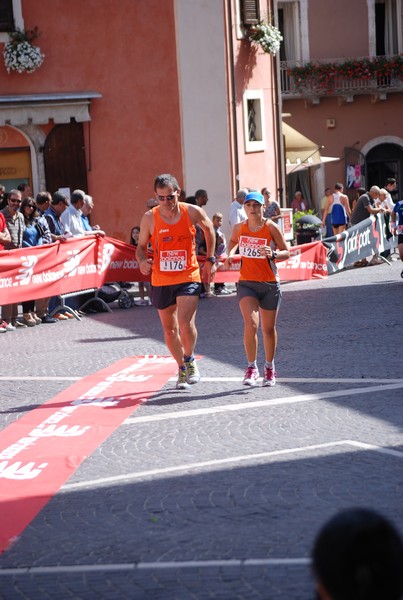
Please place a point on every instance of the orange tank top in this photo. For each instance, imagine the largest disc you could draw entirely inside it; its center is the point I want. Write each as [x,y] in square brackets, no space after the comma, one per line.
[255,267]
[174,247]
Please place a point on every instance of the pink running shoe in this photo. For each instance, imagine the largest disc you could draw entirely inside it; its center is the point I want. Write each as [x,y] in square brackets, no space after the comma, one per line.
[269,377]
[251,376]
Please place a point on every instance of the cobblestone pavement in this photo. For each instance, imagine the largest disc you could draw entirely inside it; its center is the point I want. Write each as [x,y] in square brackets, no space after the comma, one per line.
[217,492]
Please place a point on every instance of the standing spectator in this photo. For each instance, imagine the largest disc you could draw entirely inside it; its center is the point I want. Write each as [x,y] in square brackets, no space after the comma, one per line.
[201,198]
[43,200]
[4,237]
[3,197]
[175,274]
[237,212]
[53,214]
[15,226]
[390,187]
[59,233]
[71,217]
[397,221]
[85,215]
[358,192]
[144,286]
[339,207]
[358,555]
[25,190]
[328,221]
[151,202]
[220,251]
[366,206]
[260,244]
[272,208]
[36,233]
[298,204]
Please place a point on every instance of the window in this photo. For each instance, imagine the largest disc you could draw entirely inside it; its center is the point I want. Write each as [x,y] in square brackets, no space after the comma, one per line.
[254,123]
[388,27]
[6,15]
[10,18]
[288,22]
[250,12]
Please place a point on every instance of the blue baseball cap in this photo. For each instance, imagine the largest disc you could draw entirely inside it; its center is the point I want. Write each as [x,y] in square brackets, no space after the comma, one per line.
[256,196]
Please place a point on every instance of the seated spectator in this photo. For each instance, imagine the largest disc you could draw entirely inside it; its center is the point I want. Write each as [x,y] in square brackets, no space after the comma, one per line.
[358,555]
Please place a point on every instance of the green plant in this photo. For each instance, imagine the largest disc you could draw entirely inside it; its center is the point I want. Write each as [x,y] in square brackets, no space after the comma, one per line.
[324,76]
[267,36]
[20,54]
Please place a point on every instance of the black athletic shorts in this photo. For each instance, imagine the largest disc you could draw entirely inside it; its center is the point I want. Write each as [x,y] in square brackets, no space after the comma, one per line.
[163,296]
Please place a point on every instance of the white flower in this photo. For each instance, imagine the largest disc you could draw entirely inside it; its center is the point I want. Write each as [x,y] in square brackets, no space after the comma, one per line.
[267,36]
[22,57]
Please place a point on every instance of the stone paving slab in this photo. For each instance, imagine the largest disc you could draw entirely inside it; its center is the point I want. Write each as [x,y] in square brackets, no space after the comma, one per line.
[269,505]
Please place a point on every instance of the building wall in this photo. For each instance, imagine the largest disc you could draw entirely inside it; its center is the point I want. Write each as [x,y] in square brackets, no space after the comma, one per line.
[162,68]
[204,106]
[357,123]
[134,134]
[338,30]
[254,70]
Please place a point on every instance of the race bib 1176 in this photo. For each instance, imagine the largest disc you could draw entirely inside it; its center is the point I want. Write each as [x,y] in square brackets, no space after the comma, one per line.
[173,260]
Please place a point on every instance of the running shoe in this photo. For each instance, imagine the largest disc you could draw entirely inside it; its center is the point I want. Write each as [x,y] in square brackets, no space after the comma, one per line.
[251,376]
[269,377]
[193,375]
[182,383]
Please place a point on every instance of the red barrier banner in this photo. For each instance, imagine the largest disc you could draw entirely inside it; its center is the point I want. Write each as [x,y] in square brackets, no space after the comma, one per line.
[307,261]
[89,262]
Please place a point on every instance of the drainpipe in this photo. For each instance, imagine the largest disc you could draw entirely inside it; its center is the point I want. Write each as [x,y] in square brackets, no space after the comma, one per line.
[233,96]
[278,120]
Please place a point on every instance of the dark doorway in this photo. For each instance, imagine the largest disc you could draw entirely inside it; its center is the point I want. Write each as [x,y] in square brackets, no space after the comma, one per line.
[383,161]
[64,153]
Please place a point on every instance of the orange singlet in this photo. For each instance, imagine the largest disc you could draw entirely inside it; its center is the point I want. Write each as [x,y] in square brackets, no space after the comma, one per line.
[174,250]
[255,267]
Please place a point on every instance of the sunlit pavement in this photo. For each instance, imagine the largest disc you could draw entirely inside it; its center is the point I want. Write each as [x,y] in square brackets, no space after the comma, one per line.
[219,491]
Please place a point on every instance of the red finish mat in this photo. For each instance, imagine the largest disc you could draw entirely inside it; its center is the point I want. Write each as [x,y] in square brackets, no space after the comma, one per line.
[42,449]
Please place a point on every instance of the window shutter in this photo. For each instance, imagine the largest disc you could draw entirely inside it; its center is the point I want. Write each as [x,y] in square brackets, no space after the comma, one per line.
[6,15]
[250,10]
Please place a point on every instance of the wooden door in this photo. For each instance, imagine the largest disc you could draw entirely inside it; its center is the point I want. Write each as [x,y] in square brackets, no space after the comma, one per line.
[64,153]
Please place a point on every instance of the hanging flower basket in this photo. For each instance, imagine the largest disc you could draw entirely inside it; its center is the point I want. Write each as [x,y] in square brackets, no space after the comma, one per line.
[20,54]
[267,36]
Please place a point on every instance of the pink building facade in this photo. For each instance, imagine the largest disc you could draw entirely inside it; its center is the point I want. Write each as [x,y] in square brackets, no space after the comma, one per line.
[130,89]
[341,73]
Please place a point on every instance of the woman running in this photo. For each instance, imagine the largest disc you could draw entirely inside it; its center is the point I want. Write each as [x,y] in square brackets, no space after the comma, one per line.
[259,242]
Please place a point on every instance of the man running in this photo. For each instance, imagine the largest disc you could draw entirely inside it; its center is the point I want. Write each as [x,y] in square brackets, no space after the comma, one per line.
[175,273]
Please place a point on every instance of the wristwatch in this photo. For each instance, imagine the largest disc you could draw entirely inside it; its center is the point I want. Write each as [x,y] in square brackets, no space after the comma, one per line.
[211,259]
[274,254]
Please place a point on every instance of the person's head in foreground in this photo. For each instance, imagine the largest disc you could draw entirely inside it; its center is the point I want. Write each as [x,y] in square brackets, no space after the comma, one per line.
[358,555]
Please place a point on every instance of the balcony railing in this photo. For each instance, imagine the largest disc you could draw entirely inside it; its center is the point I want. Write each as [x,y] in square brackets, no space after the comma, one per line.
[344,77]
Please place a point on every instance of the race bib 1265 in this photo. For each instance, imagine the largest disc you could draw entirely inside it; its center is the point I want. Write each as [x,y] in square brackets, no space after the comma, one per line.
[251,247]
